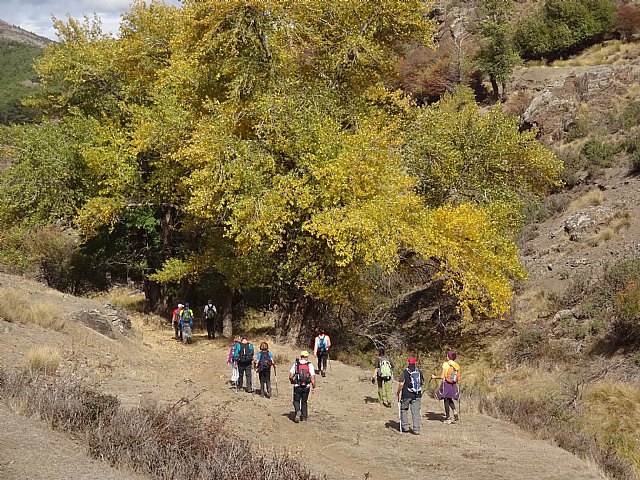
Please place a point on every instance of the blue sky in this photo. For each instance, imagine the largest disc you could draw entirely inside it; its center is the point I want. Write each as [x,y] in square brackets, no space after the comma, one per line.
[35,15]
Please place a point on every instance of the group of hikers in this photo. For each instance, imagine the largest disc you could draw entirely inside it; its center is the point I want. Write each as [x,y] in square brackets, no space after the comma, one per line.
[302,374]
[182,321]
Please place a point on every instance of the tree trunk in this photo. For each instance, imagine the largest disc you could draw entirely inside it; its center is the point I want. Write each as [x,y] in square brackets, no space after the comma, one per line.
[156,299]
[503,97]
[494,87]
[298,319]
[227,312]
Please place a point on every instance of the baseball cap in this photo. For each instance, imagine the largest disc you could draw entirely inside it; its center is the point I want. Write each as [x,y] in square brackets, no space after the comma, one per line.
[304,353]
[180,305]
[412,360]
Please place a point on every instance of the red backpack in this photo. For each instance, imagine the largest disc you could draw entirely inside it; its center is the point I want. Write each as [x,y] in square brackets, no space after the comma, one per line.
[303,374]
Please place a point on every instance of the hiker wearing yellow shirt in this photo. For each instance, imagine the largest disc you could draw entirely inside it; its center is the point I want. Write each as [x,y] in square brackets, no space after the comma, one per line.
[448,390]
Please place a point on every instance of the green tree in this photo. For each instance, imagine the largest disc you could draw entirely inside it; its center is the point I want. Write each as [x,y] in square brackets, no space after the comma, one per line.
[497,57]
[564,27]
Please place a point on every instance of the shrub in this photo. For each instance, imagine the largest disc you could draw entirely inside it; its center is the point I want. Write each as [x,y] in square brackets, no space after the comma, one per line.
[580,128]
[162,442]
[564,27]
[630,116]
[598,153]
[628,21]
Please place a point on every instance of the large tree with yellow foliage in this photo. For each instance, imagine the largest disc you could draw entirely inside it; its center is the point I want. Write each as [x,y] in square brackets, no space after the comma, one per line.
[263,132]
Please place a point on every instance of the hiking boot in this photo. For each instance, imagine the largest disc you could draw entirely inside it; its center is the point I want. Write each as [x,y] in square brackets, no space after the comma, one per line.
[448,421]
[456,417]
[414,432]
[297,417]
[303,419]
[323,373]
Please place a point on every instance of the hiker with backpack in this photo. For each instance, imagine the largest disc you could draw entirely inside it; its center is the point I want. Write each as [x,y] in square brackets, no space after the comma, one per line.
[209,315]
[383,373]
[175,321]
[321,348]
[303,377]
[409,396]
[263,364]
[243,355]
[232,362]
[186,323]
[448,390]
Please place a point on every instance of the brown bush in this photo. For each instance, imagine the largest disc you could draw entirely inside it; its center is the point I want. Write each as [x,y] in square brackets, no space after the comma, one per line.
[628,21]
[170,442]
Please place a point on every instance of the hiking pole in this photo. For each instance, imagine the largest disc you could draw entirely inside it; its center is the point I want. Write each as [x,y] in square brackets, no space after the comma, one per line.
[400,416]
[275,374]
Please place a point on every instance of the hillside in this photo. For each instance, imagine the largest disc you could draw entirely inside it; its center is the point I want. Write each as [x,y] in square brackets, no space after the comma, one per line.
[344,438]
[17,34]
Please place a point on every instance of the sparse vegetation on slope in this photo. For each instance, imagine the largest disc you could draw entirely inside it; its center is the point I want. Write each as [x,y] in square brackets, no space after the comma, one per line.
[165,442]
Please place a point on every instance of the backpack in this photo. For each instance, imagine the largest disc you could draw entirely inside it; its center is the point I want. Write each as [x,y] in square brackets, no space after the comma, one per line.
[416,384]
[210,311]
[265,362]
[176,315]
[303,374]
[384,370]
[245,355]
[452,375]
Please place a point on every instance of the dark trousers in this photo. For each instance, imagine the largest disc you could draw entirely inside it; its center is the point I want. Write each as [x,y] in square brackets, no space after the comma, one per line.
[300,399]
[244,369]
[177,330]
[322,361]
[211,328]
[449,405]
[265,382]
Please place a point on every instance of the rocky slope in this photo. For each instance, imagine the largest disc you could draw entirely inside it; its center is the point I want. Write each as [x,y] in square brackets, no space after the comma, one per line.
[17,34]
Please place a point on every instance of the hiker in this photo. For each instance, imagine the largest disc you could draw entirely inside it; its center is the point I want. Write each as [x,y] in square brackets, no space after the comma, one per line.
[383,373]
[243,355]
[303,377]
[409,396]
[209,314]
[448,390]
[321,351]
[234,363]
[186,323]
[263,364]
[175,321]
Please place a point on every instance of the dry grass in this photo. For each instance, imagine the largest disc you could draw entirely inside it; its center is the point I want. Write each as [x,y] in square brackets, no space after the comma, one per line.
[612,415]
[130,300]
[591,198]
[43,359]
[619,222]
[610,52]
[160,442]
[45,314]
[537,401]
[601,237]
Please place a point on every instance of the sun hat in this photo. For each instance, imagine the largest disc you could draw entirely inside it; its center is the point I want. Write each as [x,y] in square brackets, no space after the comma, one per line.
[304,353]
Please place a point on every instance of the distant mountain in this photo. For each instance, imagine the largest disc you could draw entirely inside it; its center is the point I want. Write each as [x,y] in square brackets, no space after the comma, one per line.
[16,34]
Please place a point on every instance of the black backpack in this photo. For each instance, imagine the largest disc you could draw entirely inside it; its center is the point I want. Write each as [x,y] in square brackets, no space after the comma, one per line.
[211,312]
[245,355]
[265,362]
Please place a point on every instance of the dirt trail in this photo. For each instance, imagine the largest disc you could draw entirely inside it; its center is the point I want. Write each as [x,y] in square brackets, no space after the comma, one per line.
[348,436]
